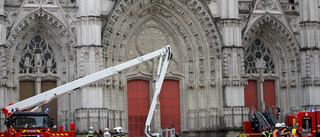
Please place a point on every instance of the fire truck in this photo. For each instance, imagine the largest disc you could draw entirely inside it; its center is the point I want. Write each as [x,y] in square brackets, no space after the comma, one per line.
[309,123]
[258,122]
[21,123]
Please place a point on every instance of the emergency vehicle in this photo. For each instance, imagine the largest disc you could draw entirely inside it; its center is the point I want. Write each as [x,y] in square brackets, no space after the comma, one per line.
[258,122]
[22,123]
[309,123]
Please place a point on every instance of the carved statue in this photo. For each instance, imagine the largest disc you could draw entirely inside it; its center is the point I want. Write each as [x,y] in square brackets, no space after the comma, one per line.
[260,64]
[49,66]
[37,60]
[27,65]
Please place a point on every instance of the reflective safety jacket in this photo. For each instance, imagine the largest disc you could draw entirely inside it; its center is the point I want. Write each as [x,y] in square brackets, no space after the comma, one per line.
[284,132]
[276,133]
[89,135]
[267,133]
[295,133]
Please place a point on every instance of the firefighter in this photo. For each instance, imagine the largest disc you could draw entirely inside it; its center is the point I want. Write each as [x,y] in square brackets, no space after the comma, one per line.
[267,132]
[295,132]
[90,133]
[118,132]
[106,133]
[276,132]
[284,131]
[264,133]
[97,133]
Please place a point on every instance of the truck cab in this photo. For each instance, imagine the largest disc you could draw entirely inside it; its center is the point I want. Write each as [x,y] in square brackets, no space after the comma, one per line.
[29,124]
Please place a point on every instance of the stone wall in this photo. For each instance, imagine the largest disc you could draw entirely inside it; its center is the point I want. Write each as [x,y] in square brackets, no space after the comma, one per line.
[98,118]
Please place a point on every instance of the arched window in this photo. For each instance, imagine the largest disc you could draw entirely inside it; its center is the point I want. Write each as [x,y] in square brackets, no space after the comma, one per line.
[259,93]
[37,55]
[258,51]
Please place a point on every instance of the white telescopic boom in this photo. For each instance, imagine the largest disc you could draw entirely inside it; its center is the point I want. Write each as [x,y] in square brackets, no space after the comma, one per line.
[47,96]
[158,85]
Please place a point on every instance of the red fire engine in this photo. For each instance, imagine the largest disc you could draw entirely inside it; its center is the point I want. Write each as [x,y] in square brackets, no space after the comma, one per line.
[309,123]
[258,122]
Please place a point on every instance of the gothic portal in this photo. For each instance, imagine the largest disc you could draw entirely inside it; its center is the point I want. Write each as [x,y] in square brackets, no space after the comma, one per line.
[228,55]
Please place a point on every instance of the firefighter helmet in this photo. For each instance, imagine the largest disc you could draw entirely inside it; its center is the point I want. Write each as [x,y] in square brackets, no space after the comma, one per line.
[283,125]
[278,125]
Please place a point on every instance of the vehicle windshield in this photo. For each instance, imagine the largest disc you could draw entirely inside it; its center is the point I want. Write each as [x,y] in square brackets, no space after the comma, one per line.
[30,122]
[306,126]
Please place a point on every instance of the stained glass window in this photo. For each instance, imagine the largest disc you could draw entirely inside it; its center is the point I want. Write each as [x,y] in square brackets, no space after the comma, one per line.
[258,51]
[37,49]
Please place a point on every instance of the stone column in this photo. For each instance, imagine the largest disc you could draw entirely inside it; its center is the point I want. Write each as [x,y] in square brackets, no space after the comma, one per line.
[310,44]
[89,48]
[233,65]
[3,63]
[2,25]
[89,60]
[260,66]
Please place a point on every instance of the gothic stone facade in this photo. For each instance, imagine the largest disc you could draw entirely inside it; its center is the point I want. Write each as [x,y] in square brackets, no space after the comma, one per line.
[227,55]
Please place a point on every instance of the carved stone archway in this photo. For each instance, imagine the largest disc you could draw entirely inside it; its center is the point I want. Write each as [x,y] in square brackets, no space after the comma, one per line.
[42,22]
[189,22]
[285,48]
[56,33]
[285,45]
[185,25]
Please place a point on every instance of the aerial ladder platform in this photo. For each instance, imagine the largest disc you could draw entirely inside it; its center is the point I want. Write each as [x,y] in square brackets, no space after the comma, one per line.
[15,112]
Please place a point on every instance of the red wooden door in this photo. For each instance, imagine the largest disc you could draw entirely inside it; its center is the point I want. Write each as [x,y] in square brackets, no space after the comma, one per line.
[269,96]
[138,106]
[250,94]
[170,105]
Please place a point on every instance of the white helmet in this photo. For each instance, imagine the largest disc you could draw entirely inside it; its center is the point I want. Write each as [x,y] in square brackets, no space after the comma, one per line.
[278,125]
[106,129]
[283,125]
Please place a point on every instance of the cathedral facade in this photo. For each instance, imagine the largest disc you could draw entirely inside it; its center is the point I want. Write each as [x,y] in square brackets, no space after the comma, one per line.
[228,55]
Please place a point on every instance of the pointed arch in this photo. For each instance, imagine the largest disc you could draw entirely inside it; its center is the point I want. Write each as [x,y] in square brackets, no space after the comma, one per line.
[45,17]
[37,45]
[282,41]
[42,22]
[257,50]
[282,33]
[186,26]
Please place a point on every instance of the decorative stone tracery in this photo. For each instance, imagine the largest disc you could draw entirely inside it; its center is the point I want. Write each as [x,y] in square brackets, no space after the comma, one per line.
[42,22]
[184,25]
[41,15]
[181,21]
[280,29]
[289,44]
[37,47]
[258,51]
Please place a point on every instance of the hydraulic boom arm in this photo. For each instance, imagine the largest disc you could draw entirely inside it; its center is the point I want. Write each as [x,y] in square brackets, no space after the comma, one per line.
[47,96]
[160,77]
